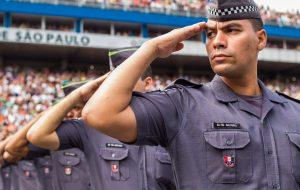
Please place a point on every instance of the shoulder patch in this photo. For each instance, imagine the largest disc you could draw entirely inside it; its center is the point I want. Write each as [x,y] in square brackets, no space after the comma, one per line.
[288,97]
[183,82]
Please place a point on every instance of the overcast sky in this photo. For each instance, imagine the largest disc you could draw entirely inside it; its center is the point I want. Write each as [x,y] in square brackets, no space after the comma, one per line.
[281,5]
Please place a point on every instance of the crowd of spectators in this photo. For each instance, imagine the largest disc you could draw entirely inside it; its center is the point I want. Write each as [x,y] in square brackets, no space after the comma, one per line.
[23,93]
[26,92]
[273,17]
[179,7]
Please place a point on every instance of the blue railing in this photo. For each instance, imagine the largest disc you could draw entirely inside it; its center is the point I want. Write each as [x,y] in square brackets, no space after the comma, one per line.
[56,8]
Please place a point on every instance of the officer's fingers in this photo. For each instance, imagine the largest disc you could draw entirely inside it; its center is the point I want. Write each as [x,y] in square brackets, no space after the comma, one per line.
[20,152]
[14,145]
[190,31]
[101,79]
[2,147]
[8,157]
[179,46]
[11,158]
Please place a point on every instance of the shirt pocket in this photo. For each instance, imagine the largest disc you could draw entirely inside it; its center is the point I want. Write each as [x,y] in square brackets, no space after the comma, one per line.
[163,169]
[294,139]
[228,156]
[28,170]
[68,170]
[116,162]
[45,167]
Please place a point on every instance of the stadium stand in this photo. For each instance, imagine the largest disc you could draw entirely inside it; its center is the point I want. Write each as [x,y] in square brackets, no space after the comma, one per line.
[176,7]
[26,92]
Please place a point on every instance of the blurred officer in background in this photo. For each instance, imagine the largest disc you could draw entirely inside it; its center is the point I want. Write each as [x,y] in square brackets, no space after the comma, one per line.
[113,165]
[155,160]
[44,170]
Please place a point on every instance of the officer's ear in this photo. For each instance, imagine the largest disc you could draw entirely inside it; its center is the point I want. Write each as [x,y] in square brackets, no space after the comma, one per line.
[262,39]
[148,83]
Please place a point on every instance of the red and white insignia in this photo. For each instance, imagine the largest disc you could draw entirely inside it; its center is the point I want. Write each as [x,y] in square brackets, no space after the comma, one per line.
[114,168]
[46,170]
[68,170]
[27,173]
[229,161]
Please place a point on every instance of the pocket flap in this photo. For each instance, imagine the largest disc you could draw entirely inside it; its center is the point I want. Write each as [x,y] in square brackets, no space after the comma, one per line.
[6,169]
[27,166]
[163,157]
[294,138]
[44,161]
[227,139]
[113,153]
[68,160]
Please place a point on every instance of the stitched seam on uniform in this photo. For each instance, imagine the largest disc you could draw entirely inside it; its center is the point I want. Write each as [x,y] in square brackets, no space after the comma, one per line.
[180,121]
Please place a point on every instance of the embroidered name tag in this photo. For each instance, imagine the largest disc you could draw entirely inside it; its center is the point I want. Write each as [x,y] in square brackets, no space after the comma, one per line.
[70,154]
[114,145]
[226,125]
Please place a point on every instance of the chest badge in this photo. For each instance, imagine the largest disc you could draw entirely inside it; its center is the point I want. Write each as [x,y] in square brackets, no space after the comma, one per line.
[46,170]
[7,175]
[27,173]
[114,168]
[68,170]
[229,161]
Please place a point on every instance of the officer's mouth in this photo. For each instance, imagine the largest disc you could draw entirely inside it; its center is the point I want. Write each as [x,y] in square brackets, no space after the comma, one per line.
[220,57]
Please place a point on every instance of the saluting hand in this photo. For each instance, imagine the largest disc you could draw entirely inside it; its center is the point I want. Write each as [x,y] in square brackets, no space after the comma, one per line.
[16,156]
[88,89]
[171,42]
[2,149]
[15,149]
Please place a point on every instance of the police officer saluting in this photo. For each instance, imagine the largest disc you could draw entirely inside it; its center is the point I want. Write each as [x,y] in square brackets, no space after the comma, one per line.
[113,164]
[232,133]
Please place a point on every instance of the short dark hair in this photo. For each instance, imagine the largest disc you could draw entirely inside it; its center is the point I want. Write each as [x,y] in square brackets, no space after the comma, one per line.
[147,73]
[257,24]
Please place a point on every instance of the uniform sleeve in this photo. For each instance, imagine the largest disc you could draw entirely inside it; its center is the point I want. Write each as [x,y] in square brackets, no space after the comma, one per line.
[158,116]
[70,134]
[35,152]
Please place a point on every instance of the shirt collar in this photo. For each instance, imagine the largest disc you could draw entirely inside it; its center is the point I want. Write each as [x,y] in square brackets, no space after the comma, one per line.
[224,94]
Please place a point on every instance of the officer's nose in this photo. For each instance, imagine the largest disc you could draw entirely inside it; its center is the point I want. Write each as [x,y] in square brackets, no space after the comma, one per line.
[220,41]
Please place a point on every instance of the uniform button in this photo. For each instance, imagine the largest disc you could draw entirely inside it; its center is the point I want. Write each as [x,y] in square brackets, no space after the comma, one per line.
[229,142]
[113,155]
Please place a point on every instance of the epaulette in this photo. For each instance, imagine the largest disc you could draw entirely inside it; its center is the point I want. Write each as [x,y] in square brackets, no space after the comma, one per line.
[183,82]
[288,97]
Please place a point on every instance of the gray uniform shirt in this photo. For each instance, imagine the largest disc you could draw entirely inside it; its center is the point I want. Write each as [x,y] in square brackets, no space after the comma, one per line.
[218,141]
[70,169]
[113,165]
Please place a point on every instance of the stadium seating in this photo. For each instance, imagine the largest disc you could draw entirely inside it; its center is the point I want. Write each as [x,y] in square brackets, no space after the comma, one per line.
[25,92]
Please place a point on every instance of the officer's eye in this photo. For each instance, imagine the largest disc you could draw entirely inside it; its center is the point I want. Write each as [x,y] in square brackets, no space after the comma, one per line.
[210,34]
[232,30]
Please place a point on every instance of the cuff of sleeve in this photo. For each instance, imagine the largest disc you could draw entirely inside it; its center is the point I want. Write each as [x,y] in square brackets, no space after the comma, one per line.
[140,114]
[62,144]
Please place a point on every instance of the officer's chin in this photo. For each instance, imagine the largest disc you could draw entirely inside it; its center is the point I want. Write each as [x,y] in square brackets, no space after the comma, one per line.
[221,69]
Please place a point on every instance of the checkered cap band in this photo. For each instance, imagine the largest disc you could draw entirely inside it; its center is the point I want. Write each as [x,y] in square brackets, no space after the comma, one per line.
[232,10]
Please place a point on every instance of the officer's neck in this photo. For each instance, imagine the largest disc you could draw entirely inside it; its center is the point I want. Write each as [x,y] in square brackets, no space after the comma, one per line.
[246,86]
